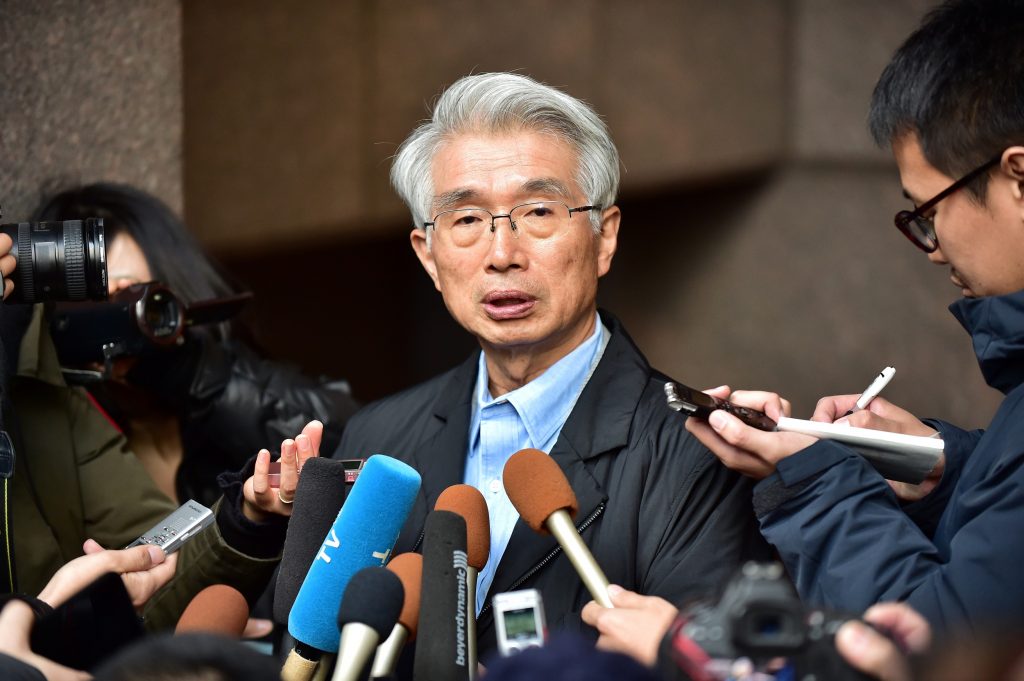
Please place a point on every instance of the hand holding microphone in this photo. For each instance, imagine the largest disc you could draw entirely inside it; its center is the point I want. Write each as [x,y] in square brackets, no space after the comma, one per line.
[538,489]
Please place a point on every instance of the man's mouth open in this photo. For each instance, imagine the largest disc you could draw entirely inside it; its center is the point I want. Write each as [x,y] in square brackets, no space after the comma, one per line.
[508,304]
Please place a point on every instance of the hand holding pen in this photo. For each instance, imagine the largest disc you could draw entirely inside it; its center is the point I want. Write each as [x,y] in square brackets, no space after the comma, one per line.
[872,391]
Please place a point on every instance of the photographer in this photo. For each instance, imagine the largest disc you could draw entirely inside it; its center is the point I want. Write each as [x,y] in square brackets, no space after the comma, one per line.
[643,627]
[68,476]
[206,405]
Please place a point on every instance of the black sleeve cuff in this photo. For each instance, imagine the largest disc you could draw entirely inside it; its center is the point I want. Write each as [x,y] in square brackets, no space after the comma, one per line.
[257,539]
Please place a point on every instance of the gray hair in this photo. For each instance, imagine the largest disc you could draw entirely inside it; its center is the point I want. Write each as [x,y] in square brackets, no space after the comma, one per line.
[503,102]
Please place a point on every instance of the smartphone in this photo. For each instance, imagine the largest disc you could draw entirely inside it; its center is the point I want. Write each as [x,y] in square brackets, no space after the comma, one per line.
[172,532]
[519,618]
[352,469]
[696,403]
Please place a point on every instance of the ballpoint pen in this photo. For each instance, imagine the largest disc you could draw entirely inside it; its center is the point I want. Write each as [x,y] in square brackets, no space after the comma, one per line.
[871,392]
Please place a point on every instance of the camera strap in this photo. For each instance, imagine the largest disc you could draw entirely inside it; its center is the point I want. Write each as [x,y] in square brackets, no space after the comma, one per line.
[7,580]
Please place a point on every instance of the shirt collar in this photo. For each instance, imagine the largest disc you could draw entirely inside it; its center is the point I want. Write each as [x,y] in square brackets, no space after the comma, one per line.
[544,403]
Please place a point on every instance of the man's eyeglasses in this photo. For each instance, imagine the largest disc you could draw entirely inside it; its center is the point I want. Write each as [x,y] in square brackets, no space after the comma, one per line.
[918,225]
[463,227]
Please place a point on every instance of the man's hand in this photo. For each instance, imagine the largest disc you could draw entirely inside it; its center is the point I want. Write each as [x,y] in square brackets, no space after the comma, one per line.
[871,652]
[7,263]
[750,451]
[16,621]
[260,499]
[882,414]
[143,569]
[635,626]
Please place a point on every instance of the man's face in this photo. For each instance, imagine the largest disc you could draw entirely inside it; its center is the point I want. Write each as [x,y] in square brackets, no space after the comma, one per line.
[517,293]
[982,244]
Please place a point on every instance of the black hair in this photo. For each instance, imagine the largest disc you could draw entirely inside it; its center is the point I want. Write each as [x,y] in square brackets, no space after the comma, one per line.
[958,84]
[189,657]
[173,254]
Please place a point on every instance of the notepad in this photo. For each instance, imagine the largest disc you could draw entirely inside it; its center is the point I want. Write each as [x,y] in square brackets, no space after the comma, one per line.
[905,458]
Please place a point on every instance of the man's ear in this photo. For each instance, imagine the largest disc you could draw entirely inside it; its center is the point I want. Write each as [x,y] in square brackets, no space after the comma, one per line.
[1013,165]
[608,239]
[418,238]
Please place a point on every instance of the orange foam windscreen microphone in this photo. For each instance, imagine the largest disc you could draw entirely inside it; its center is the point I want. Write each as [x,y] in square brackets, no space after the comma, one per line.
[467,501]
[409,568]
[538,489]
[218,609]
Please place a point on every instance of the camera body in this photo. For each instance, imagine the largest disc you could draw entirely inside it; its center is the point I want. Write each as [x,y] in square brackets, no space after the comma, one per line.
[760,617]
[136,318]
[58,261]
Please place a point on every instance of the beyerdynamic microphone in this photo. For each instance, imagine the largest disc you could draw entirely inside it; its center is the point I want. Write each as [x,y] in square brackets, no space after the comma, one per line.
[362,535]
[467,501]
[217,609]
[537,487]
[441,650]
[409,569]
[368,612]
[318,498]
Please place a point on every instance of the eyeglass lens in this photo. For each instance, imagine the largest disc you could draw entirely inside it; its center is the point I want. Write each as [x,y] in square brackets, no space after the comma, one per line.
[919,229]
[465,226]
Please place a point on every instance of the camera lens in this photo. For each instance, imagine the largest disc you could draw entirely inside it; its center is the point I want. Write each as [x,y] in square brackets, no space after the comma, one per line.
[58,261]
[159,314]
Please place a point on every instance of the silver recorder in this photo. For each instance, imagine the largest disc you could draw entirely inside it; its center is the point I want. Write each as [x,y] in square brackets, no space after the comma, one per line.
[519,618]
[172,532]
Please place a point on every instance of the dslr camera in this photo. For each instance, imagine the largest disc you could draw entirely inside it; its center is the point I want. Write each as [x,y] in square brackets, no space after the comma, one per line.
[58,261]
[135,319]
[759,617]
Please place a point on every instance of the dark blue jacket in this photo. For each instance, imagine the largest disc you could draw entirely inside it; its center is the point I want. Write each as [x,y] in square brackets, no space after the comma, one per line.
[957,556]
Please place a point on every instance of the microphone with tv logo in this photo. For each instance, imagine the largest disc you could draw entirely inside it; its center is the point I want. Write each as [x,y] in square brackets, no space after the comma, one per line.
[409,569]
[442,648]
[362,536]
[318,498]
[468,502]
[368,612]
[538,489]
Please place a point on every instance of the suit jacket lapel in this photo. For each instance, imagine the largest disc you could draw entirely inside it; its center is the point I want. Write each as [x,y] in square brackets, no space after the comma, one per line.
[441,458]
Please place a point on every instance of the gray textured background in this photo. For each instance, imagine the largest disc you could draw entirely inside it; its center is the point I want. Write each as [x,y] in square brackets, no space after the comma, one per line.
[90,90]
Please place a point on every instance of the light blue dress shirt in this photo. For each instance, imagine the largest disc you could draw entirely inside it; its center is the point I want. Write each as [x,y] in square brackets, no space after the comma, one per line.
[530,416]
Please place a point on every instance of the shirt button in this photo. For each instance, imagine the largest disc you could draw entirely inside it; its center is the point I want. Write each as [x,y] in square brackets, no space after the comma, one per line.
[495,486]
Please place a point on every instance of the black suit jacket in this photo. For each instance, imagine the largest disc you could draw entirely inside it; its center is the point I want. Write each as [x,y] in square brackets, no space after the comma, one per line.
[659,512]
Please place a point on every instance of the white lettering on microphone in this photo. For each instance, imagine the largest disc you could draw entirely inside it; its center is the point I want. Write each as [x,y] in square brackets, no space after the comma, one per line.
[459,562]
[331,541]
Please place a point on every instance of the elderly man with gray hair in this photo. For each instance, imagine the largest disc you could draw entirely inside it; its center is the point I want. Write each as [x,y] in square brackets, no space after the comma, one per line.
[512,187]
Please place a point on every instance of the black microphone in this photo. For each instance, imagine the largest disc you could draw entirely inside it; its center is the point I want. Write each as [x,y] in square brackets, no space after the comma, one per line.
[318,498]
[368,612]
[442,647]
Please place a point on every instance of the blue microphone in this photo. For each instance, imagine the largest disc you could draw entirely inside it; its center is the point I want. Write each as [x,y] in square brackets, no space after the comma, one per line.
[363,535]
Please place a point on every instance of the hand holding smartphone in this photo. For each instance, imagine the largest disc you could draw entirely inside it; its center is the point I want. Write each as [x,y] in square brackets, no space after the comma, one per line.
[696,403]
[899,457]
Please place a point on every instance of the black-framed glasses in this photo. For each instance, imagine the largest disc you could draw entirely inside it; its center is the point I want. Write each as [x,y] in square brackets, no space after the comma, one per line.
[918,225]
[463,227]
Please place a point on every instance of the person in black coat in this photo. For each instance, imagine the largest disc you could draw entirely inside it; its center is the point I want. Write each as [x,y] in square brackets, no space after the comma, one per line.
[512,188]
